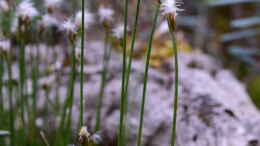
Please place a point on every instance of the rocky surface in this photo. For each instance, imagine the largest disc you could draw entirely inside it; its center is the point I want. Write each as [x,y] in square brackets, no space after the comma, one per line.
[214,108]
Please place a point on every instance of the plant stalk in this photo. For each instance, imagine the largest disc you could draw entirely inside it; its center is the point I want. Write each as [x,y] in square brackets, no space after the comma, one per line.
[140,129]
[122,100]
[175,106]
[82,101]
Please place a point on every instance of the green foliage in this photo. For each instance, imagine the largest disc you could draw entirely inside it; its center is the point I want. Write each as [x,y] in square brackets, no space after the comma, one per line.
[253,89]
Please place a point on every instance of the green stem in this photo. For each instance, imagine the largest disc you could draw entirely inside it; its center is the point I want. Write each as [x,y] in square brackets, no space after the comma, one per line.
[175,106]
[129,66]
[22,74]
[69,101]
[82,64]
[140,129]
[106,58]
[122,100]
[1,84]
[35,77]
[10,92]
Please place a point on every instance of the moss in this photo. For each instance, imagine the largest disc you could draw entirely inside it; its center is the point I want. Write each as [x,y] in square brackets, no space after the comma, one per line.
[254,92]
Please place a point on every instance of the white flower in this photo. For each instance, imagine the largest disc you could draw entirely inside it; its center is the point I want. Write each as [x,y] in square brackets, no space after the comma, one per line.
[88,19]
[39,122]
[5,45]
[69,26]
[48,20]
[4,5]
[26,10]
[51,4]
[171,7]
[118,31]
[105,14]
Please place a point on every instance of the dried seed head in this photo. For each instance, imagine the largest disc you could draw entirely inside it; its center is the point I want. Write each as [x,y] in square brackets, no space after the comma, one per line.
[84,135]
[170,9]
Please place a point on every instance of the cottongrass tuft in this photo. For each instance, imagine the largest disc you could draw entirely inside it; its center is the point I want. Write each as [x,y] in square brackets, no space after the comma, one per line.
[171,7]
[68,26]
[48,21]
[26,10]
[105,14]
[4,6]
[88,19]
[118,31]
[52,4]
[5,45]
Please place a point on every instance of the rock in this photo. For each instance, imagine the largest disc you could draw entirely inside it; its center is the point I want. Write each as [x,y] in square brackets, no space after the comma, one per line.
[214,108]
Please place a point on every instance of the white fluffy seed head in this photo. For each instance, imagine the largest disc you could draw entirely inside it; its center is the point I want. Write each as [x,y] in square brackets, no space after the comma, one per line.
[52,4]
[5,45]
[26,10]
[171,7]
[118,31]
[88,19]
[4,6]
[69,26]
[105,14]
[48,20]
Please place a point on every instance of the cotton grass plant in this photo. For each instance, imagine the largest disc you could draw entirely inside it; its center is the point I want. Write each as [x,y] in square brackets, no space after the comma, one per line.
[26,16]
[106,20]
[121,132]
[170,9]
[148,55]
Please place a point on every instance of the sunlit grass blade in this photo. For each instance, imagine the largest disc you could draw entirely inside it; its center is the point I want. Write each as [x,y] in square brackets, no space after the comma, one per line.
[44,139]
[148,55]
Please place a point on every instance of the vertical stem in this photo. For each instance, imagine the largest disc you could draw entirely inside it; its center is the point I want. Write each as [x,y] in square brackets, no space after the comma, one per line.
[140,129]
[71,90]
[132,45]
[82,64]
[22,74]
[35,75]
[122,100]
[1,83]
[129,66]
[175,106]
[68,102]
[106,58]
[10,92]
